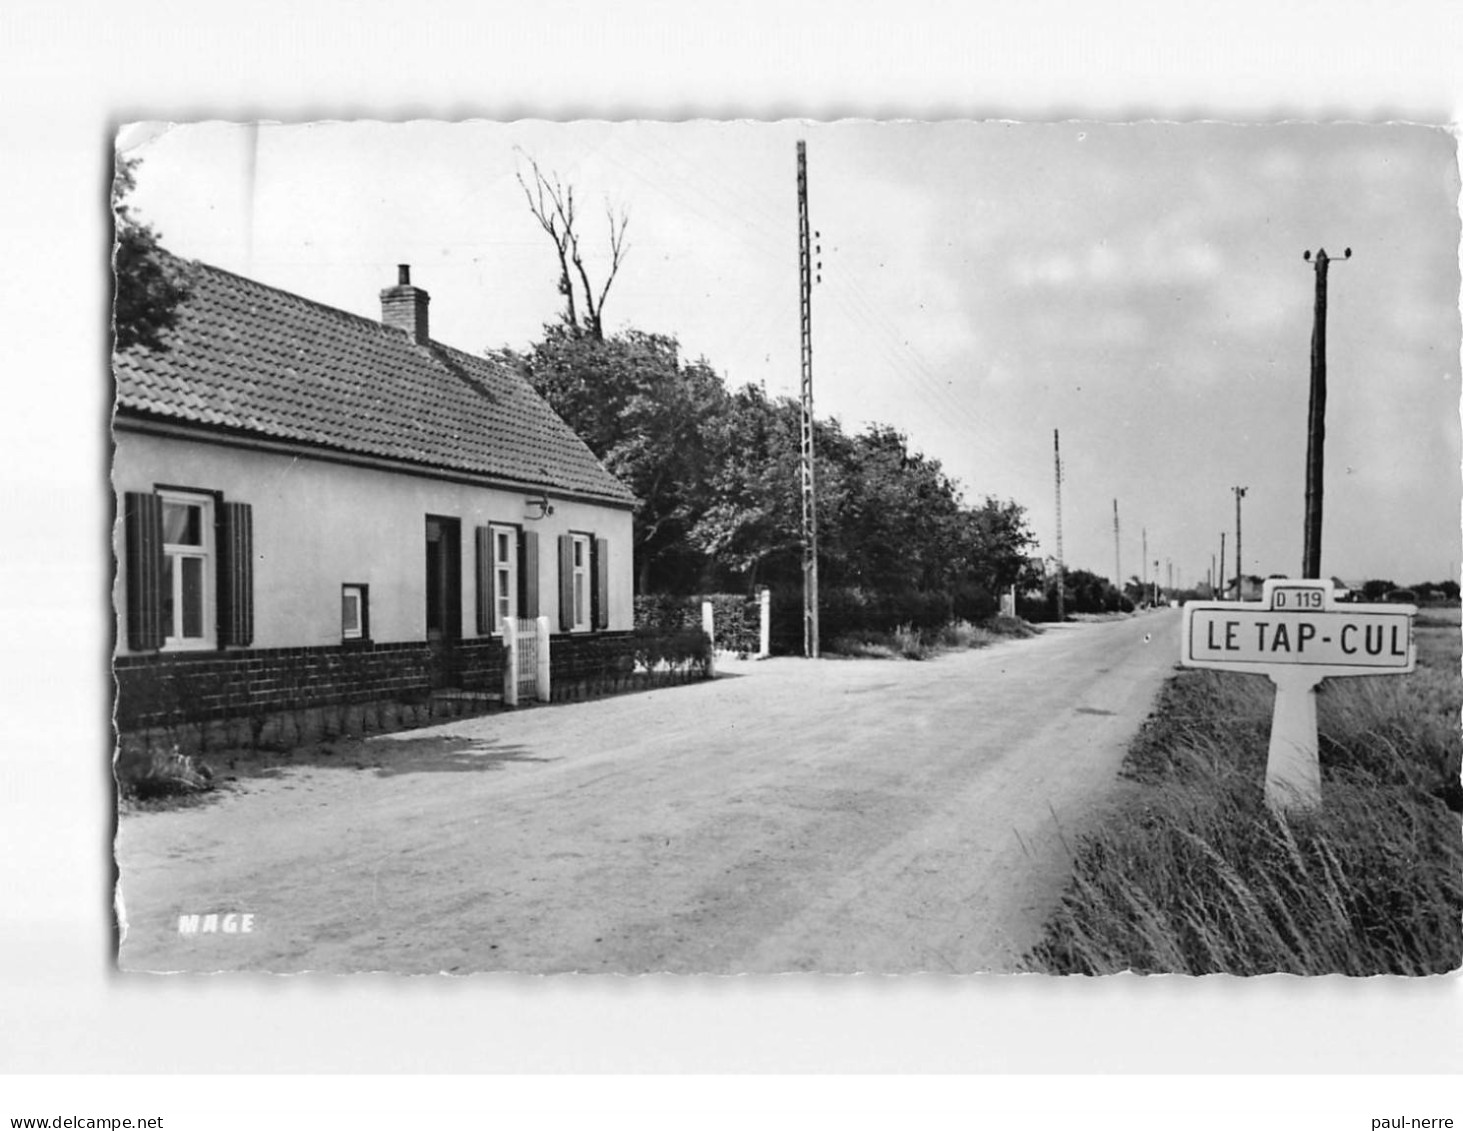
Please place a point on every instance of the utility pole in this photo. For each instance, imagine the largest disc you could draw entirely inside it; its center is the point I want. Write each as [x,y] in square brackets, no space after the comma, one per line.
[1221,563]
[1316,424]
[1212,581]
[809,477]
[1144,563]
[1155,581]
[1117,550]
[1239,573]
[1170,575]
[1061,581]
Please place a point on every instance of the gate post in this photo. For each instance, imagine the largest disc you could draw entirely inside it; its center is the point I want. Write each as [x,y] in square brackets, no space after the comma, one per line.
[764,635]
[543,659]
[510,669]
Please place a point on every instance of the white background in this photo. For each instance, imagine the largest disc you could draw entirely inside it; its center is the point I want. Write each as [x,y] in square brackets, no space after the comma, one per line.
[74,72]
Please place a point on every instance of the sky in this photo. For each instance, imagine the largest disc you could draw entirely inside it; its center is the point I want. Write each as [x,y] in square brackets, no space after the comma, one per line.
[1140,289]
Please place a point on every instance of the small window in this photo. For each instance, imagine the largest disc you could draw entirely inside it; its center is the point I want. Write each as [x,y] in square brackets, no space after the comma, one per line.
[353,612]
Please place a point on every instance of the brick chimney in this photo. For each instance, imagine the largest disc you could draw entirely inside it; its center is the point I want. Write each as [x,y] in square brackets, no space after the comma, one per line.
[404,306]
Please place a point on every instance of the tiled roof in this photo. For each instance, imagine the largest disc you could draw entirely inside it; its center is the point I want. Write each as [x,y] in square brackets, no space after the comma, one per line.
[255,360]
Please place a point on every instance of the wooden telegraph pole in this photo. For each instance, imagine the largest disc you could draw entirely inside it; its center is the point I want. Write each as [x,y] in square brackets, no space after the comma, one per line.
[809,479]
[1239,573]
[1143,565]
[1061,580]
[1316,425]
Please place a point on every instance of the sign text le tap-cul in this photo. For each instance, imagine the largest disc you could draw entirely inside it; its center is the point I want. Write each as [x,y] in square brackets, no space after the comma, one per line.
[1297,635]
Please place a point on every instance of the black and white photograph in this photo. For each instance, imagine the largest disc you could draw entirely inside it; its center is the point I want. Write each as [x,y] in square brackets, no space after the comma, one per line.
[786,547]
[706,565]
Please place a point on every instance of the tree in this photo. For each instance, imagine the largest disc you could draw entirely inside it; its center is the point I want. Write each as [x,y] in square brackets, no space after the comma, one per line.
[996,544]
[1377,588]
[647,416]
[751,528]
[1087,592]
[719,479]
[149,284]
[552,204]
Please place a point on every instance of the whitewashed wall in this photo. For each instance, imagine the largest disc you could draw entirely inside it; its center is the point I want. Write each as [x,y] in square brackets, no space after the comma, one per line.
[318,525]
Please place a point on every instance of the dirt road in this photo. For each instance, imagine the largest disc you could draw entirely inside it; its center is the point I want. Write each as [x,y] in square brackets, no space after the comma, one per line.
[834,816]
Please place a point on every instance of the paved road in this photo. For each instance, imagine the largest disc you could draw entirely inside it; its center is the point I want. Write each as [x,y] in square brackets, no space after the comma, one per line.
[835,816]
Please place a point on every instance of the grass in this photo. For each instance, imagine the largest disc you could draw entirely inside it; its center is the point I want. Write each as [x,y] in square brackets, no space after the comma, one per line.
[1194,874]
[910,643]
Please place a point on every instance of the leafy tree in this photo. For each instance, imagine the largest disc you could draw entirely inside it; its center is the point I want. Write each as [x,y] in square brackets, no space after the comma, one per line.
[996,541]
[719,478]
[752,524]
[1377,588]
[899,528]
[149,284]
[1085,592]
[648,417]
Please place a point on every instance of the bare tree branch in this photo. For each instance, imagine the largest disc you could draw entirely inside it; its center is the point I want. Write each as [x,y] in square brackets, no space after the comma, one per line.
[552,205]
[618,248]
[545,201]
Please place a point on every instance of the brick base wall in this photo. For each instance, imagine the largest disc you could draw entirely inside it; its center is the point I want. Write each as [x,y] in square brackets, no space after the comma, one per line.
[214,691]
[169,688]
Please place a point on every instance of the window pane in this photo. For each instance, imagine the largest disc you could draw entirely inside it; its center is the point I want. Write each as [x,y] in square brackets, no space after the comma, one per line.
[579,598]
[578,552]
[167,596]
[192,597]
[182,524]
[350,612]
[502,547]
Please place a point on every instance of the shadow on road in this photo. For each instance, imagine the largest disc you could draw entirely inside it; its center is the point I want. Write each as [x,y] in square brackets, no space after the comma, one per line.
[445,754]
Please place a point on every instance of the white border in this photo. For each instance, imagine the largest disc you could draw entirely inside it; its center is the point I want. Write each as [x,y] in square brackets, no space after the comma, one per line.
[76,72]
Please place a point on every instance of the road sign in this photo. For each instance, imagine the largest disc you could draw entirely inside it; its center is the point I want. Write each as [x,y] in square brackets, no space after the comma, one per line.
[1297,635]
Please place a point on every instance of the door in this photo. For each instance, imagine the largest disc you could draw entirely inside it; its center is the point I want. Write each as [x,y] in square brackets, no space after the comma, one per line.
[444,597]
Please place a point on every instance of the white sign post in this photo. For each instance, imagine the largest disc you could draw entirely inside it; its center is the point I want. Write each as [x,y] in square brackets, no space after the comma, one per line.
[1297,635]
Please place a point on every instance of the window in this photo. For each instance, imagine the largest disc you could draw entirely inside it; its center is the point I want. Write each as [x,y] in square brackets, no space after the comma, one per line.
[354,613]
[583,583]
[507,576]
[190,570]
[187,585]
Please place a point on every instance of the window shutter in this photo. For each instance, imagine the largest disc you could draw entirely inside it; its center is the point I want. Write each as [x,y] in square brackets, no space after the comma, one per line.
[142,520]
[600,599]
[528,574]
[566,583]
[235,574]
[486,604]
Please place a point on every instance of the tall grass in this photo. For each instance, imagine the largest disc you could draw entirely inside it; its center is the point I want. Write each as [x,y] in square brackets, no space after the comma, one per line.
[1194,874]
[911,643]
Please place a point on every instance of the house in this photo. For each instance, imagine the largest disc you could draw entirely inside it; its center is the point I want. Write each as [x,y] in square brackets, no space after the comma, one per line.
[314,506]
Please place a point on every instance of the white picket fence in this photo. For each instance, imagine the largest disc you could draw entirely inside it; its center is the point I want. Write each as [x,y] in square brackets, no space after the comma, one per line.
[526,674]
